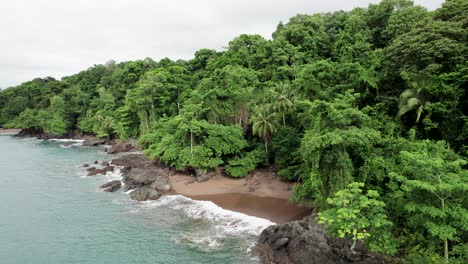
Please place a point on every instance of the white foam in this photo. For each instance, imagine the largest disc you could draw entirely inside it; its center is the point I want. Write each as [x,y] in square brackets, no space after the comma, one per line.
[66,140]
[227,222]
[200,241]
[76,142]
[114,175]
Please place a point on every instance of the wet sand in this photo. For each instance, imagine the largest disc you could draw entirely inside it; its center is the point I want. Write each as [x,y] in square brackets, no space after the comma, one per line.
[261,194]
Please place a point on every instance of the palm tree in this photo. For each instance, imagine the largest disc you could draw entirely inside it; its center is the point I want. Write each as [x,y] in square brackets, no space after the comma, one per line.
[416,97]
[412,99]
[282,104]
[264,125]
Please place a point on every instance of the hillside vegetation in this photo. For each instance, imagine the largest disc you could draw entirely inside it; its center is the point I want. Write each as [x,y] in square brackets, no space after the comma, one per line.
[366,109]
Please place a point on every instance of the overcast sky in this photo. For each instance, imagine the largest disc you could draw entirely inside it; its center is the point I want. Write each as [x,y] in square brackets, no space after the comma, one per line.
[40,38]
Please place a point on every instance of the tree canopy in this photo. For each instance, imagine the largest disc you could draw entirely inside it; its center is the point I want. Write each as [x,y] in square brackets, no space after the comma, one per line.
[346,104]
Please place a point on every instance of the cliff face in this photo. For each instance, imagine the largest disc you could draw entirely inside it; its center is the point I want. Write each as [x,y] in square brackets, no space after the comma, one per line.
[305,242]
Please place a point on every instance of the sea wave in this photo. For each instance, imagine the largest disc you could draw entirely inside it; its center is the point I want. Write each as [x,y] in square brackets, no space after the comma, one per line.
[231,223]
[66,140]
[70,142]
[212,226]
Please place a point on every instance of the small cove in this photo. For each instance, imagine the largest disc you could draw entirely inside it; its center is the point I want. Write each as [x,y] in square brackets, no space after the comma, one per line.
[51,213]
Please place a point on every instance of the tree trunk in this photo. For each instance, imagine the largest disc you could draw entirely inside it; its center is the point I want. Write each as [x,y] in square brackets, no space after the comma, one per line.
[445,240]
[191,143]
[284,121]
[354,243]
[446,251]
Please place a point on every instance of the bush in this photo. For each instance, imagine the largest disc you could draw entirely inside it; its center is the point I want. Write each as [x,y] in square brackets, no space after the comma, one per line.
[242,166]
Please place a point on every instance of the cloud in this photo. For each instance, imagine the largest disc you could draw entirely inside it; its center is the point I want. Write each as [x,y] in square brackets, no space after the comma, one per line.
[56,38]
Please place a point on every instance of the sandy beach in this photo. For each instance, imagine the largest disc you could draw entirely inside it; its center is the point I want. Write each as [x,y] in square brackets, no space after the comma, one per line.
[9,131]
[261,194]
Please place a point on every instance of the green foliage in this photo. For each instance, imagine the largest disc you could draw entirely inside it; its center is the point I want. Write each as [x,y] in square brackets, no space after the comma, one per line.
[264,124]
[339,140]
[185,141]
[355,215]
[246,163]
[286,143]
[435,186]
[317,102]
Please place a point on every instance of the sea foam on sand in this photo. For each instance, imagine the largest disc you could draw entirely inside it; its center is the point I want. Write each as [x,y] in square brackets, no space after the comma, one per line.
[213,226]
[230,222]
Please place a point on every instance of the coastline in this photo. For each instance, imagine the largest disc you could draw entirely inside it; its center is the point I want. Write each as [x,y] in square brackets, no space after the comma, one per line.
[261,194]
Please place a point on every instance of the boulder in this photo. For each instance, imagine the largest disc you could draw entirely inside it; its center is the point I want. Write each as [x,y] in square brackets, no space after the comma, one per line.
[29,132]
[105,163]
[111,186]
[138,177]
[93,142]
[202,176]
[85,165]
[121,146]
[306,241]
[144,193]
[92,171]
[108,168]
[161,184]
[133,161]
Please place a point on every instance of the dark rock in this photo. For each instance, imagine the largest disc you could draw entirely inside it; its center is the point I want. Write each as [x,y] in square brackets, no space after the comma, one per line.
[305,241]
[122,146]
[138,177]
[281,242]
[93,142]
[29,132]
[109,168]
[202,176]
[85,165]
[92,171]
[144,193]
[105,163]
[111,186]
[95,171]
[132,161]
[161,184]
[139,172]
[95,162]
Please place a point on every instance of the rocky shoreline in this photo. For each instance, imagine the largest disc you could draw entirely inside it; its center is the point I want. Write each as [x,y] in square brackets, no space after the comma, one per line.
[296,242]
[302,241]
[306,242]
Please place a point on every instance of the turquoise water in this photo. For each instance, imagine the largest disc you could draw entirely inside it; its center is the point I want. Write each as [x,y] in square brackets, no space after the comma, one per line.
[51,213]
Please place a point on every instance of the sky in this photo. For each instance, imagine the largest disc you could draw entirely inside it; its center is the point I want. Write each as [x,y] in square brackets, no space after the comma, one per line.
[40,38]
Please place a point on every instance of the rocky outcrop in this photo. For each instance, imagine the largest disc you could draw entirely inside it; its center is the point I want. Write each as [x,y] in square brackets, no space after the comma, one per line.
[29,132]
[145,193]
[122,146]
[132,161]
[147,179]
[202,176]
[94,142]
[305,241]
[93,171]
[111,186]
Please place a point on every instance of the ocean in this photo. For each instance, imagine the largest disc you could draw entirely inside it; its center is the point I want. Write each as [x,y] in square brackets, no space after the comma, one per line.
[51,213]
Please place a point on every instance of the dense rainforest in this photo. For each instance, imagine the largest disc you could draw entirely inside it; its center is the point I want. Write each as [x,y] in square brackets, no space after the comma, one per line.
[367,110]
